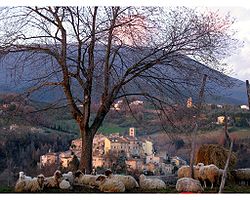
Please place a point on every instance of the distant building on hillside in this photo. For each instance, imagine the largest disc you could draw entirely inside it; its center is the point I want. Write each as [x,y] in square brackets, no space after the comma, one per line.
[65,158]
[177,161]
[189,102]
[134,163]
[132,132]
[147,147]
[136,103]
[244,107]
[220,120]
[14,127]
[48,159]
[106,149]
[153,159]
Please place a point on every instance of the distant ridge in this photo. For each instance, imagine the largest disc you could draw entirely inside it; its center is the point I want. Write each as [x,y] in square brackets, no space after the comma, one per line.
[12,81]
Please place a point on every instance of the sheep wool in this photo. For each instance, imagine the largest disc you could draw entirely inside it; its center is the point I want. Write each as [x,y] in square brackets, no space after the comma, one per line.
[20,185]
[128,181]
[110,184]
[151,183]
[69,177]
[22,176]
[64,185]
[187,184]
[184,171]
[210,173]
[54,181]
[34,185]
[85,179]
[22,182]
[242,176]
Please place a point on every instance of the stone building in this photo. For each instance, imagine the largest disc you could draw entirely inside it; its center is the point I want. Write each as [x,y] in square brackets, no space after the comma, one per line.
[49,159]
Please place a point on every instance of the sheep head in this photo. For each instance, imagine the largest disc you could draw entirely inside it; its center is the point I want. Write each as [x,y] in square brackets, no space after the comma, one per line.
[70,173]
[108,172]
[200,165]
[142,177]
[57,174]
[41,180]
[101,178]
[78,174]
[21,175]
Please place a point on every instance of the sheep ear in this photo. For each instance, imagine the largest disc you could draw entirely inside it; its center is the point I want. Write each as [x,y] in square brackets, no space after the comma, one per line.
[108,172]
[100,178]
[78,173]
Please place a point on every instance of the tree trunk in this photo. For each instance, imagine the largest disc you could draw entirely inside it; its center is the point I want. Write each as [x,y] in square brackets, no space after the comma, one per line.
[192,154]
[86,152]
[248,92]
[224,176]
[227,139]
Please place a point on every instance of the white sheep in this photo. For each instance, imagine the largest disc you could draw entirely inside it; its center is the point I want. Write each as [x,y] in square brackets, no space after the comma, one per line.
[184,171]
[53,181]
[85,179]
[151,183]
[30,185]
[110,184]
[65,185]
[128,181]
[22,176]
[209,172]
[21,182]
[187,184]
[69,177]
[36,184]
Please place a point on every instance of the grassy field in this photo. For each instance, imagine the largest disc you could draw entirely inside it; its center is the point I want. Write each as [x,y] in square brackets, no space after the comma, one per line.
[106,128]
[170,190]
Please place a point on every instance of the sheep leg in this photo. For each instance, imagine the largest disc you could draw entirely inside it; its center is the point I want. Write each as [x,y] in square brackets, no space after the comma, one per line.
[212,185]
[204,184]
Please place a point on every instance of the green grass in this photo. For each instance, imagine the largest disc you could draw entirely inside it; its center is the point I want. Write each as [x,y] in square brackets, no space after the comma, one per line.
[6,189]
[107,128]
[170,189]
[71,125]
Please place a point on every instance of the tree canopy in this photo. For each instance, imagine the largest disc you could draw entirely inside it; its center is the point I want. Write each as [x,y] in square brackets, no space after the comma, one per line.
[101,54]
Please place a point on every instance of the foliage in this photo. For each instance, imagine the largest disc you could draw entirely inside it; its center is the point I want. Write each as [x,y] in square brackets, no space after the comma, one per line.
[24,148]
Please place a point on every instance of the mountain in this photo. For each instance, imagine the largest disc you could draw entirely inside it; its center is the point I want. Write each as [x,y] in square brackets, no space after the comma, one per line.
[17,74]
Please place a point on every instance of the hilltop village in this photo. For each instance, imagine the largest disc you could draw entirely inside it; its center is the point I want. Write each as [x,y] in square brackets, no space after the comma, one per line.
[120,153]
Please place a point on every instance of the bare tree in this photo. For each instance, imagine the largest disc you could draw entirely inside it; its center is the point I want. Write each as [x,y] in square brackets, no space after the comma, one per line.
[101,54]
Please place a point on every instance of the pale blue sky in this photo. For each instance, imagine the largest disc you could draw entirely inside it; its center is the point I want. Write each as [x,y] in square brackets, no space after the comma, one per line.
[240,9]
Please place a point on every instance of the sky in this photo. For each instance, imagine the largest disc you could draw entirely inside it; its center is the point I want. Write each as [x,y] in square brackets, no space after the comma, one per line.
[239,63]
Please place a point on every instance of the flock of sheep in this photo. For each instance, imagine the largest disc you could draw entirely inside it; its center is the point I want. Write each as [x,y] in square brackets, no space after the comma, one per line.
[110,182]
[105,183]
[206,173]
